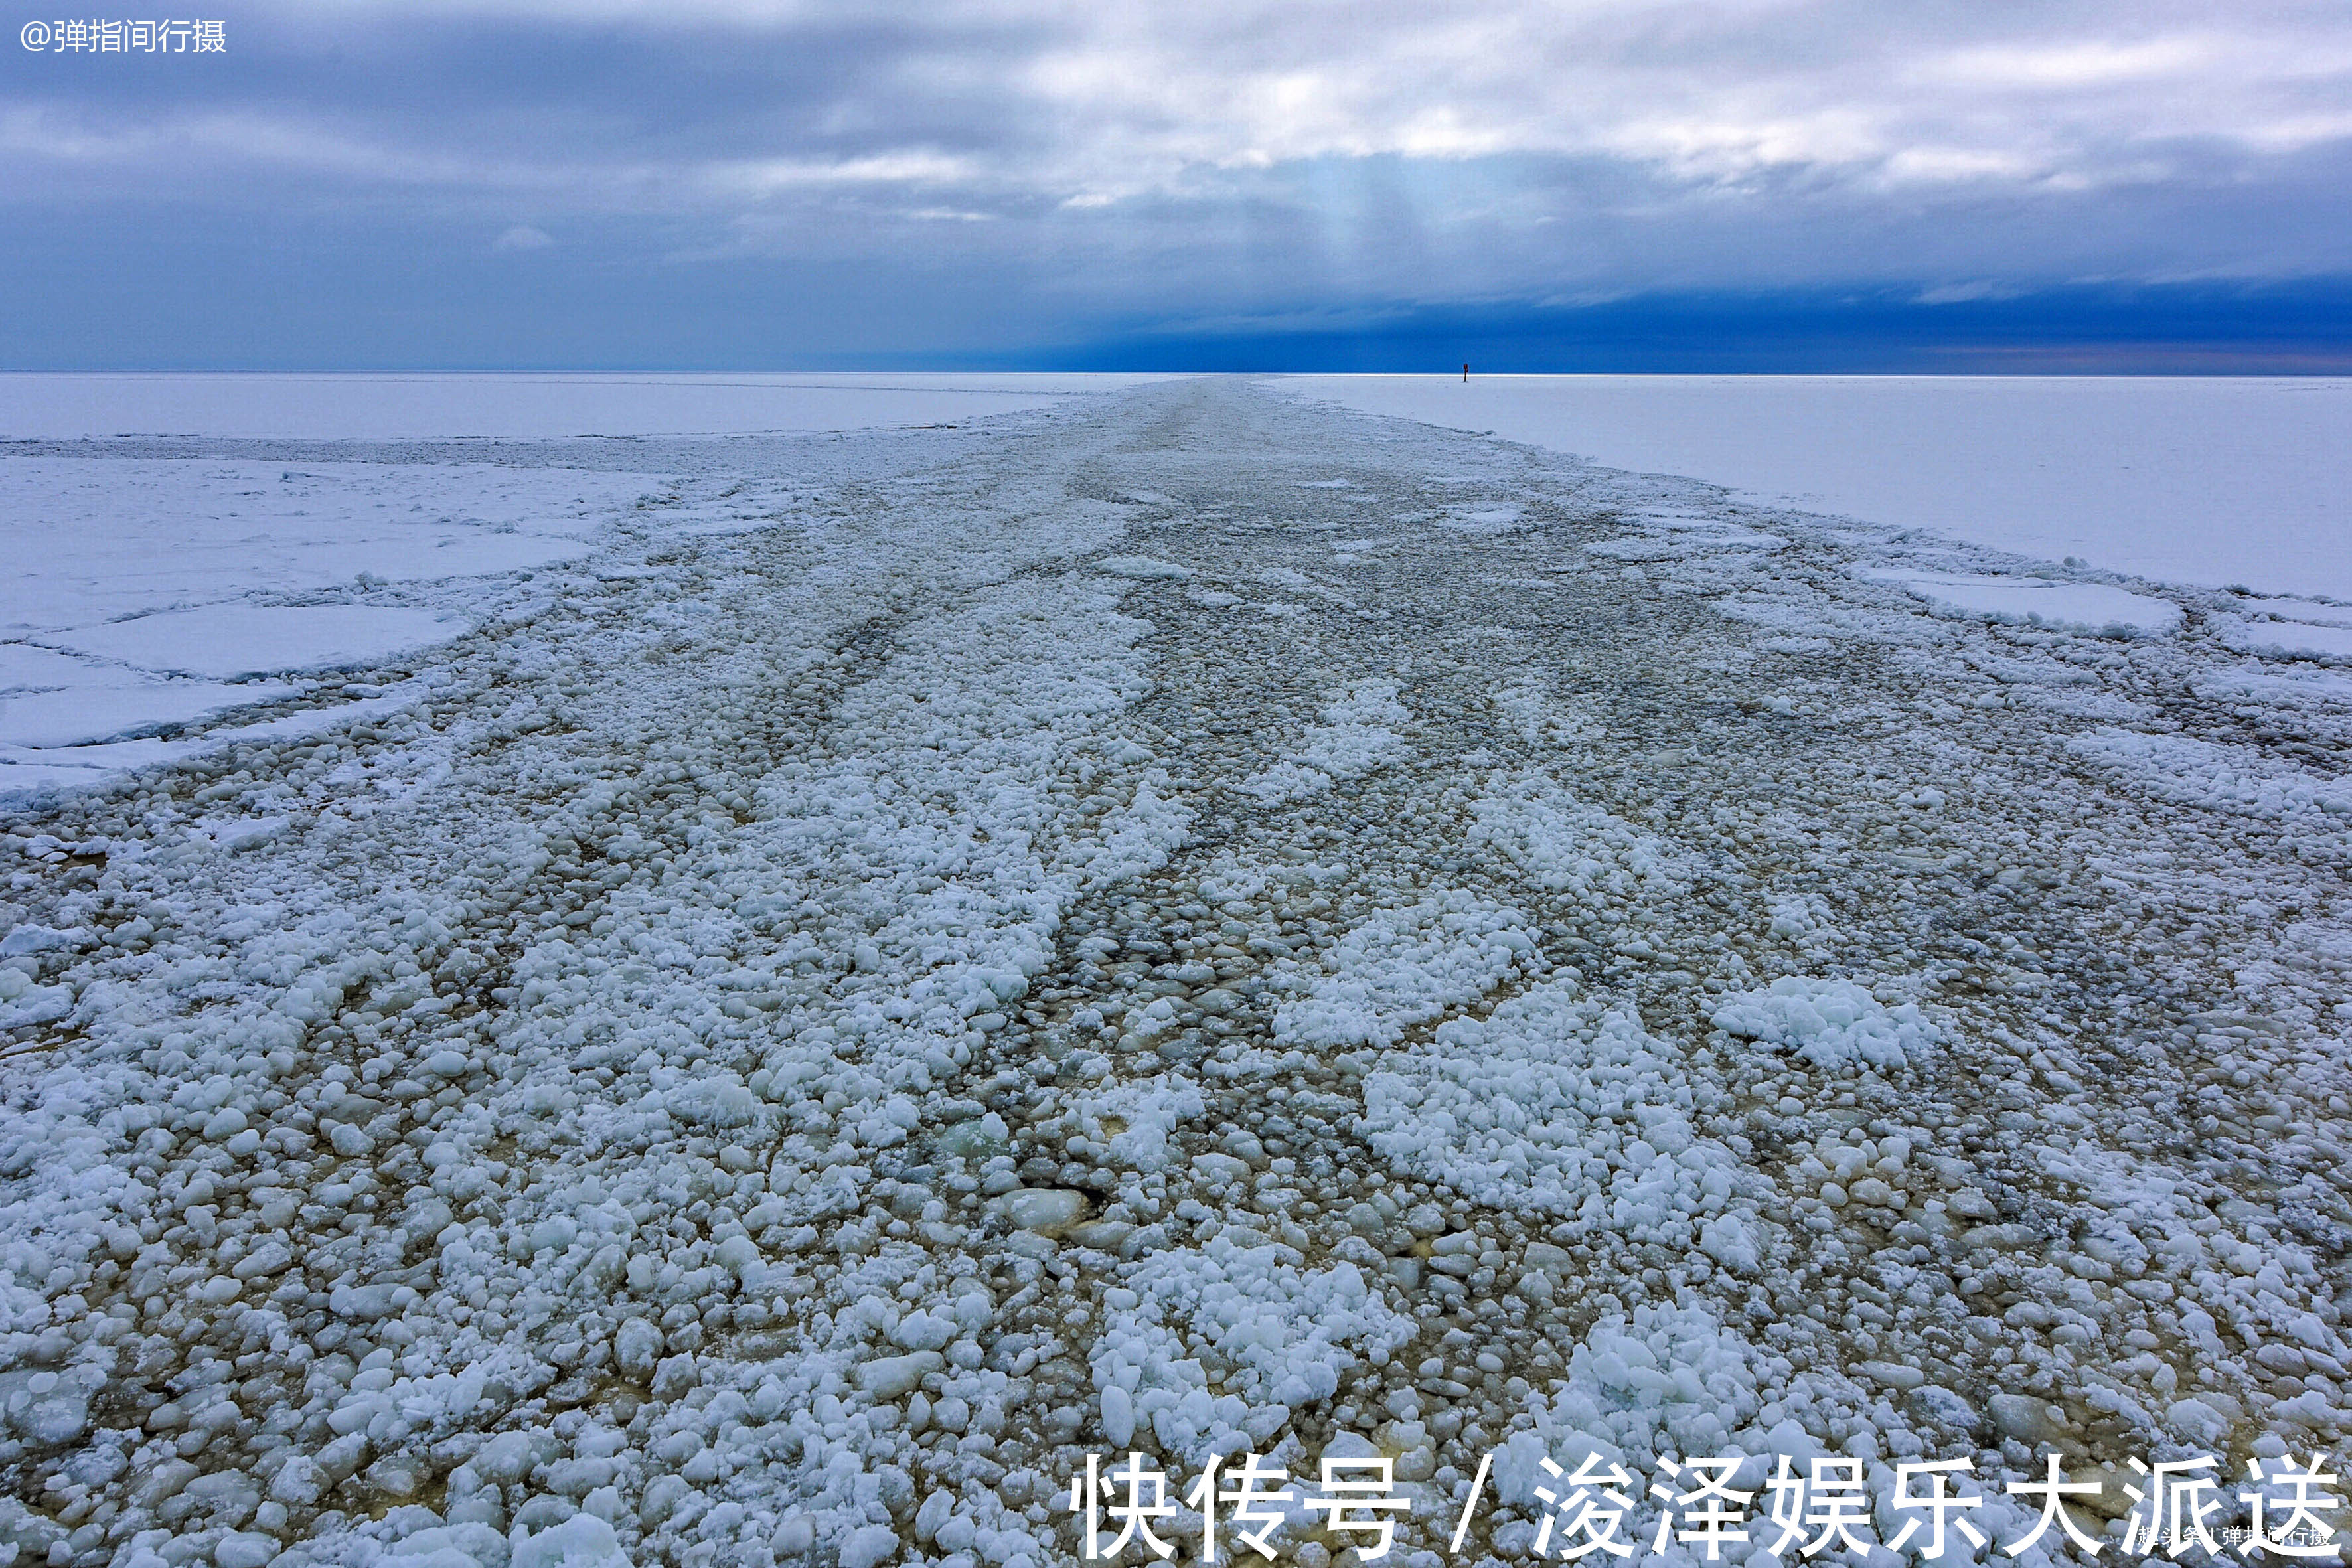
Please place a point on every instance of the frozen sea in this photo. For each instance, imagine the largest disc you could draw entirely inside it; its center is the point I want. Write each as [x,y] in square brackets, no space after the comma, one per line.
[158,575]
[2208,480]
[509,406]
[756,992]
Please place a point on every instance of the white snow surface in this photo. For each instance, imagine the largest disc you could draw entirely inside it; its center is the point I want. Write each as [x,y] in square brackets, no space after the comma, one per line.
[513,406]
[2203,480]
[1354,738]
[147,592]
[1286,1333]
[2289,628]
[240,642]
[1833,1024]
[2095,607]
[1568,1106]
[1403,967]
[2189,770]
[1564,845]
[91,540]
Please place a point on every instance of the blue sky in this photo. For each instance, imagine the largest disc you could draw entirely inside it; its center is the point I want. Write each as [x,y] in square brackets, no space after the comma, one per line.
[1743,184]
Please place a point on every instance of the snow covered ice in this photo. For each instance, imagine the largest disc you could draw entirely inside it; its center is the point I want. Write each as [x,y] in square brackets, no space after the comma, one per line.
[806,983]
[2208,480]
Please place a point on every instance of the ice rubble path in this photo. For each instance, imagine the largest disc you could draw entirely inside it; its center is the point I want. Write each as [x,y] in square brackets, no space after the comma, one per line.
[1189,923]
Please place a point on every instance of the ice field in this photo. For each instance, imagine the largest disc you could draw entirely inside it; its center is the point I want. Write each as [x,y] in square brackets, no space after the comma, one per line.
[149,594]
[756,998]
[2207,479]
[511,406]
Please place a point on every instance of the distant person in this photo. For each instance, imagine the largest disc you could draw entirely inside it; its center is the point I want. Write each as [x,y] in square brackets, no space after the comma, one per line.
[1466,372]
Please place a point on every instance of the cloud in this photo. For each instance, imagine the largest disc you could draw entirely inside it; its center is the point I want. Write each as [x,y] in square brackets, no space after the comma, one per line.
[522,237]
[1964,293]
[1243,159]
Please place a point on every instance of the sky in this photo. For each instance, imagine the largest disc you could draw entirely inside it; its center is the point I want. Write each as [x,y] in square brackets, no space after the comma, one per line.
[2081,186]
